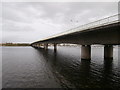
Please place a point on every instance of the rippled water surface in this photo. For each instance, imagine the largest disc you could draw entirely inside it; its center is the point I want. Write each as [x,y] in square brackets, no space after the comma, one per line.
[27,67]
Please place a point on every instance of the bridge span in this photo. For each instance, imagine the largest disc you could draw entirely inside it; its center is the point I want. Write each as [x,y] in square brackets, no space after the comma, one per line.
[104,32]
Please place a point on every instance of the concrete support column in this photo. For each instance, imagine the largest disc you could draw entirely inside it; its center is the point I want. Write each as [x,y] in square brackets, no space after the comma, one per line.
[37,45]
[108,52]
[86,52]
[55,47]
[46,46]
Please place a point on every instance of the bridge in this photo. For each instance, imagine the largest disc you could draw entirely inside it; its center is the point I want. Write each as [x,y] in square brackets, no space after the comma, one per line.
[105,32]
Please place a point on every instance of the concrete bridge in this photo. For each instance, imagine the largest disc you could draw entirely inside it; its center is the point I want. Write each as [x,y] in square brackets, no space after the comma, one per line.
[104,32]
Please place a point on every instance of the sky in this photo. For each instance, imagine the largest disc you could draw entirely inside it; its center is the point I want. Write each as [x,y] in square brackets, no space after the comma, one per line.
[31,21]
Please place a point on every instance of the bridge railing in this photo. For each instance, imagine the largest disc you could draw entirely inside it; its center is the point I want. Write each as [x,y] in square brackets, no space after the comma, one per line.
[98,23]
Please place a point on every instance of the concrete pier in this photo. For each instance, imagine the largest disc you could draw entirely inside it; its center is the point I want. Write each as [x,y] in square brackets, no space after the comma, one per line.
[86,52]
[38,45]
[55,47]
[108,52]
[45,46]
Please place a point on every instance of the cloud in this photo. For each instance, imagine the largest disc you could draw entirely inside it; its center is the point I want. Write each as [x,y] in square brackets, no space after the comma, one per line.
[31,21]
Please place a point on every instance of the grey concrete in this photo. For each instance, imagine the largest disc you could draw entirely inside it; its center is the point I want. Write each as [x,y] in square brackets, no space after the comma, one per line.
[108,52]
[55,47]
[86,52]
[46,46]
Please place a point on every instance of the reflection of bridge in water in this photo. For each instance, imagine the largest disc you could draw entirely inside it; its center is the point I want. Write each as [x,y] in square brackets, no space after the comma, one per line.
[104,32]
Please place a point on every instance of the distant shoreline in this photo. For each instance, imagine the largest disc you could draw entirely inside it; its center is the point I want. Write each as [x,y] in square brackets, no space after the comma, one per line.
[14,44]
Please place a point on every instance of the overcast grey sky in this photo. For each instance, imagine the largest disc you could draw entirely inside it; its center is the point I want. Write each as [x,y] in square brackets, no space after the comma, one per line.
[28,22]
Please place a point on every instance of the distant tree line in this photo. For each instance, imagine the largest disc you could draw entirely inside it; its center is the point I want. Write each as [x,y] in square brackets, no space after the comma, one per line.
[15,44]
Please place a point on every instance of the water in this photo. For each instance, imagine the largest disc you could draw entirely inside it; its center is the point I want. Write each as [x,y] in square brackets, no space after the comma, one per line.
[27,67]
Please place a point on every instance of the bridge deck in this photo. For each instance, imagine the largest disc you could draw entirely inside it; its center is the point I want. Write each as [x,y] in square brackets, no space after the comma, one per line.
[104,31]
